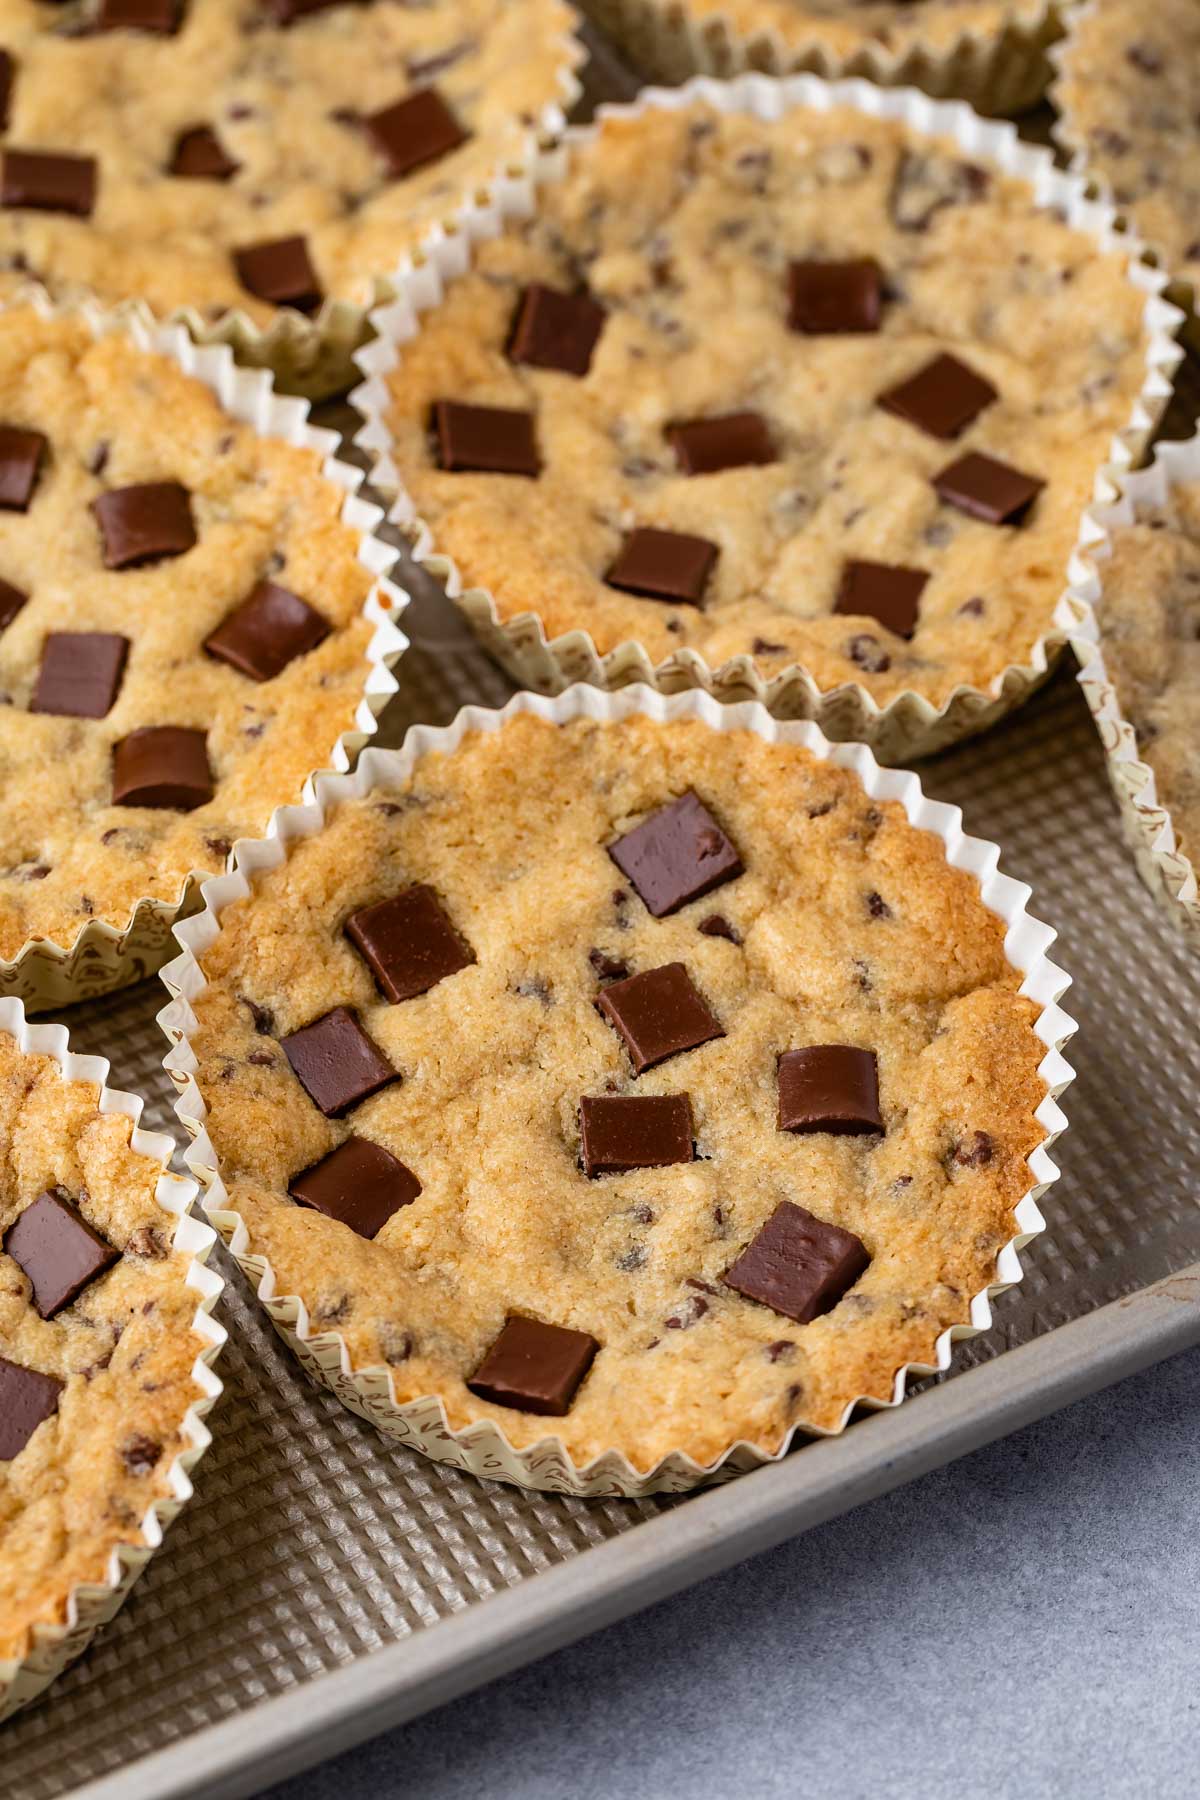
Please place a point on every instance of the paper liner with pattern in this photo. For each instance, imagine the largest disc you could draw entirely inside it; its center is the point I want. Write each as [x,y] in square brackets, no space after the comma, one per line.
[1167,870]
[909,725]
[482,1447]
[999,71]
[53,1644]
[102,957]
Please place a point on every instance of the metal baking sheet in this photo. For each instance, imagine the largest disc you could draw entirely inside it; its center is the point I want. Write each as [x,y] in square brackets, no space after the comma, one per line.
[325,1584]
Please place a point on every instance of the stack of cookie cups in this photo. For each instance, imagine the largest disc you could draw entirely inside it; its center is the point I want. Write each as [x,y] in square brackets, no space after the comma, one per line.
[999,66]
[101,958]
[1168,872]
[908,726]
[482,1448]
[56,1642]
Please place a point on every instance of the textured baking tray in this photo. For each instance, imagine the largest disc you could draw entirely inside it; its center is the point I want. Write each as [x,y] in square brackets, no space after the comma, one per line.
[325,1584]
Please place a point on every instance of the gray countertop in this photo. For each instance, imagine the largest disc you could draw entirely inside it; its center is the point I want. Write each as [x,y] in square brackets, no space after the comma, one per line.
[1025,1622]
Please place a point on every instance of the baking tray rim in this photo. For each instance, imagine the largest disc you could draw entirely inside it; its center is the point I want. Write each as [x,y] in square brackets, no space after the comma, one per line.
[705,1533]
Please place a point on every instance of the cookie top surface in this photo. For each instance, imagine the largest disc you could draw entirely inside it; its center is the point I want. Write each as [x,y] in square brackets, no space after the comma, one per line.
[257,156]
[97,1346]
[863,383]
[1127,98]
[486,1151]
[182,636]
[896,27]
[1149,614]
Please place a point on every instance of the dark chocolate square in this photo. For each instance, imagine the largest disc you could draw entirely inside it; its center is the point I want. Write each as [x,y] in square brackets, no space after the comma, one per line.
[884,591]
[798,1265]
[987,489]
[732,441]
[533,1367]
[554,330]
[21,454]
[828,298]
[489,440]
[199,155]
[162,766]
[942,399]
[144,524]
[664,565]
[829,1087]
[11,602]
[417,130]
[280,272]
[678,854]
[336,1063]
[409,943]
[158,17]
[26,1398]
[635,1131]
[360,1183]
[270,628]
[58,1251]
[48,181]
[80,673]
[659,1014]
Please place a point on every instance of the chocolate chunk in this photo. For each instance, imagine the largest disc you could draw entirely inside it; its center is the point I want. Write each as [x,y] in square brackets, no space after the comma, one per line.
[360,1183]
[46,181]
[623,1131]
[21,454]
[534,1367]
[416,130]
[163,766]
[717,926]
[267,631]
[884,591]
[493,440]
[26,1398]
[705,446]
[336,1063]
[143,524]
[7,70]
[943,398]
[554,330]
[797,1264]
[408,942]
[140,1453]
[988,490]
[659,1014]
[199,155]
[159,17]
[829,1087]
[676,855]
[280,272]
[58,1251]
[11,602]
[835,297]
[80,674]
[663,565]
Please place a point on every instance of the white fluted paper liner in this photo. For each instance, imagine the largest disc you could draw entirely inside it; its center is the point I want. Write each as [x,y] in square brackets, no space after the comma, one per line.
[102,957]
[482,1447]
[1001,70]
[89,1605]
[907,726]
[1168,872]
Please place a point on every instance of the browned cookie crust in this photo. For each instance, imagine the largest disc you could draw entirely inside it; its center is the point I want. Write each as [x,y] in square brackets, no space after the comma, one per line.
[96,817]
[111,1370]
[783,286]
[573,1121]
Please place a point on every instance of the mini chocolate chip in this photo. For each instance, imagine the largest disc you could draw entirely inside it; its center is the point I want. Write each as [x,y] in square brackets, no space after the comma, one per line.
[147,1243]
[822,808]
[692,1310]
[533,987]
[974,608]
[974,1152]
[263,1017]
[97,461]
[782,1350]
[140,1454]
[869,654]
[608,968]
[718,926]
[219,846]
[334,1312]
[262,1059]
[877,906]
[762,647]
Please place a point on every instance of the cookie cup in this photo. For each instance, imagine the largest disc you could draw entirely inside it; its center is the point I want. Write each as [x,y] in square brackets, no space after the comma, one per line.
[482,1448]
[54,1642]
[908,725]
[1167,870]
[103,957]
[997,71]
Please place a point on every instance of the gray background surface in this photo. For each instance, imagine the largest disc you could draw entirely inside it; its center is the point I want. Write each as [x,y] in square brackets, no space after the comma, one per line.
[1025,1622]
